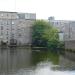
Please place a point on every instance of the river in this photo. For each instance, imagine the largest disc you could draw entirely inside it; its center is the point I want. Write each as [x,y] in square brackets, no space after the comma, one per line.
[26,61]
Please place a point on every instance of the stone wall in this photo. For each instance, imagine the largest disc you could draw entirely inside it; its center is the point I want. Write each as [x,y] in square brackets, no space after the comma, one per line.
[70,44]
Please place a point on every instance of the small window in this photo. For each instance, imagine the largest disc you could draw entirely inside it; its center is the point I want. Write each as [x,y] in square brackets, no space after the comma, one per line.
[7,37]
[17,17]
[12,29]
[57,23]
[2,23]
[13,22]
[7,29]
[7,15]
[19,35]
[7,22]
[12,35]
[2,14]
[7,41]
[1,33]
[1,27]
[7,32]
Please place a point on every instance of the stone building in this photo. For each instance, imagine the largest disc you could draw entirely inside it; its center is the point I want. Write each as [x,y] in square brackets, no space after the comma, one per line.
[70,35]
[16,27]
[59,25]
[67,30]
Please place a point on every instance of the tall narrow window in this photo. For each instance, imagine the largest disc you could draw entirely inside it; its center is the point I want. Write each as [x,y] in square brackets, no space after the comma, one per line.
[1,33]
[7,22]
[1,27]
[7,32]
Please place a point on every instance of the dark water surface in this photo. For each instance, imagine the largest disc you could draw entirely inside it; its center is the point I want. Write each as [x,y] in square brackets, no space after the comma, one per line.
[25,61]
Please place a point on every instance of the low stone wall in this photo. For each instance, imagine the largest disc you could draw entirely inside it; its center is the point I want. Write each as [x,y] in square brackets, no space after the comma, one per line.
[70,44]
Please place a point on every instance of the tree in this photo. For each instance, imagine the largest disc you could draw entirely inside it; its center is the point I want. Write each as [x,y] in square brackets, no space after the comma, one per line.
[44,34]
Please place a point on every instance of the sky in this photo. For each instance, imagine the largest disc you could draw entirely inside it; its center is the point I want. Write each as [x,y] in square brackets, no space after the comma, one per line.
[60,9]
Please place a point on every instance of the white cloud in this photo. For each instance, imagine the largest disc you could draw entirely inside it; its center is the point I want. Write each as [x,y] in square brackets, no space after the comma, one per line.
[61,9]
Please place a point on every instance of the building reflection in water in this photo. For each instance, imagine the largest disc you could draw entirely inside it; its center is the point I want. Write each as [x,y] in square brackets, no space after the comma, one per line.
[67,61]
[14,59]
[24,61]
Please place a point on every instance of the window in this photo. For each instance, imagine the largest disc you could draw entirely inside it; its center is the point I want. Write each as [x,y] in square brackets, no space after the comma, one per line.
[21,16]
[57,23]
[12,28]
[7,15]
[1,27]
[7,32]
[2,14]
[17,17]
[13,22]
[7,41]
[2,23]
[1,33]
[7,22]
[7,37]
[7,29]
[27,16]
[19,35]
[18,29]
[12,35]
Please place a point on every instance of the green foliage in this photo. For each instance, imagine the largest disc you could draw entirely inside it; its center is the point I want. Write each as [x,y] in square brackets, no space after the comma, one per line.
[44,34]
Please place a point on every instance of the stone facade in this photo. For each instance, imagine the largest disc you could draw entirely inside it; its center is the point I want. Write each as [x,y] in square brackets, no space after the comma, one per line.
[67,27]
[70,35]
[60,26]
[16,26]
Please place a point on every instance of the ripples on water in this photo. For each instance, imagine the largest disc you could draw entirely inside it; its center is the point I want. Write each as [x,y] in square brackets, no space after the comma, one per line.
[24,61]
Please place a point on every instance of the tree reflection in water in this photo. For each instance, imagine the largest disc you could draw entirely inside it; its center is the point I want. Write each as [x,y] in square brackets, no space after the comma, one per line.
[24,61]
[45,56]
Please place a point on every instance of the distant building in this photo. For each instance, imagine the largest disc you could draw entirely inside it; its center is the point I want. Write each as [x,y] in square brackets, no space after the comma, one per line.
[70,35]
[66,30]
[16,27]
[60,25]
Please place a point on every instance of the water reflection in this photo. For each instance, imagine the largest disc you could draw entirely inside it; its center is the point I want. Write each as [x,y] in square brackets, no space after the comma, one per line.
[13,59]
[45,56]
[67,61]
[24,61]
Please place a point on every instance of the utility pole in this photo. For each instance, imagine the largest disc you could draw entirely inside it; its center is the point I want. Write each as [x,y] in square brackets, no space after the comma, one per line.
[69,31]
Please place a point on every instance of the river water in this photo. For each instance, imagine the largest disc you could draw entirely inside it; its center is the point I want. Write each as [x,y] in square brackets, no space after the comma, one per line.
[26,61]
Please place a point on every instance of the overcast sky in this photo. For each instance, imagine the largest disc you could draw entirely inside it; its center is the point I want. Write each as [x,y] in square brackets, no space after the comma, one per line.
[60,9]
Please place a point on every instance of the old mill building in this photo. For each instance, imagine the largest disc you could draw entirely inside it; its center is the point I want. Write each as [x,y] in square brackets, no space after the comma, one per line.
[16,27]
